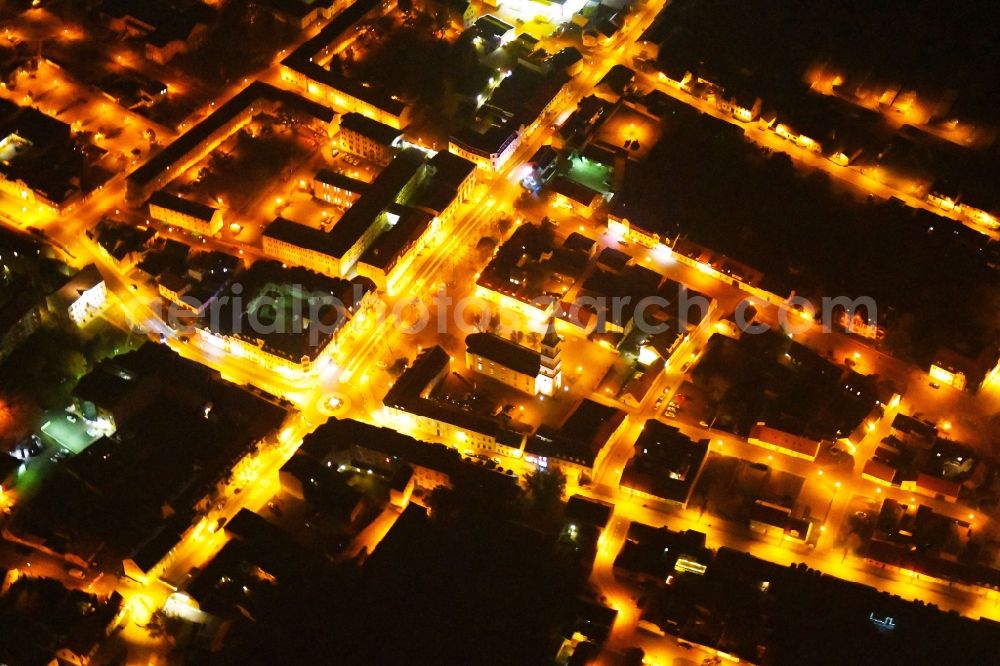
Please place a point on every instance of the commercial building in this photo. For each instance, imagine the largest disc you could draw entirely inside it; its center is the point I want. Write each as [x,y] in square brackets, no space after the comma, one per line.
[775,520]
[950,368]
[387,259]
[287,319]
[653,554]
[578,446]
[555,11]
[523,101]
[453,181]
[488,149]
[575,196]
[392,455]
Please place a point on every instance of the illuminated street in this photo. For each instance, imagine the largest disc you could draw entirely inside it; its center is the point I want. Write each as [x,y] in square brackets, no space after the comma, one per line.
[317,315]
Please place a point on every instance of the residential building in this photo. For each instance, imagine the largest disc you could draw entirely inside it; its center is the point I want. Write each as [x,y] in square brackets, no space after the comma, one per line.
[335,252]
[489,149]
[410,408]
[578,446]
[39,163]
[337,189]
[950,368]
[777,440]
[367,138]
[303,70]
[85,296]
[452,183]
[191,215]
[203,138]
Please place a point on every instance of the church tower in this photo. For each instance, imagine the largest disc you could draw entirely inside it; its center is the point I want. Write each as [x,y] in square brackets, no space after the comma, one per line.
[549,378]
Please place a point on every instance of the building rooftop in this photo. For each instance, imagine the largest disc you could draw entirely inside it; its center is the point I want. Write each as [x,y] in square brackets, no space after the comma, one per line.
[586,511]
[182,205]
[450,169]
[342,434]
[336,179]
[785,440]
[237,104]
[374,130]
[390,246]
[491,141]
[574,191]
[300,235]
[507,353]
[666,462]
[428,366]
[383,192]
[581,437]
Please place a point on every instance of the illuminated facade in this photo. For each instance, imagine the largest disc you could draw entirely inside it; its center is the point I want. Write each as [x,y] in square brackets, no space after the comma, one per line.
[620,226]
[367,138]
[579,445]
[336,251]
[549,379]
[302,69]
[944,373]
[408,407]
[296,244]
[527,370]
[91,296]
[555,11]
[203,138]
[337,189]
[782,442]
[186,214]
[489,150]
